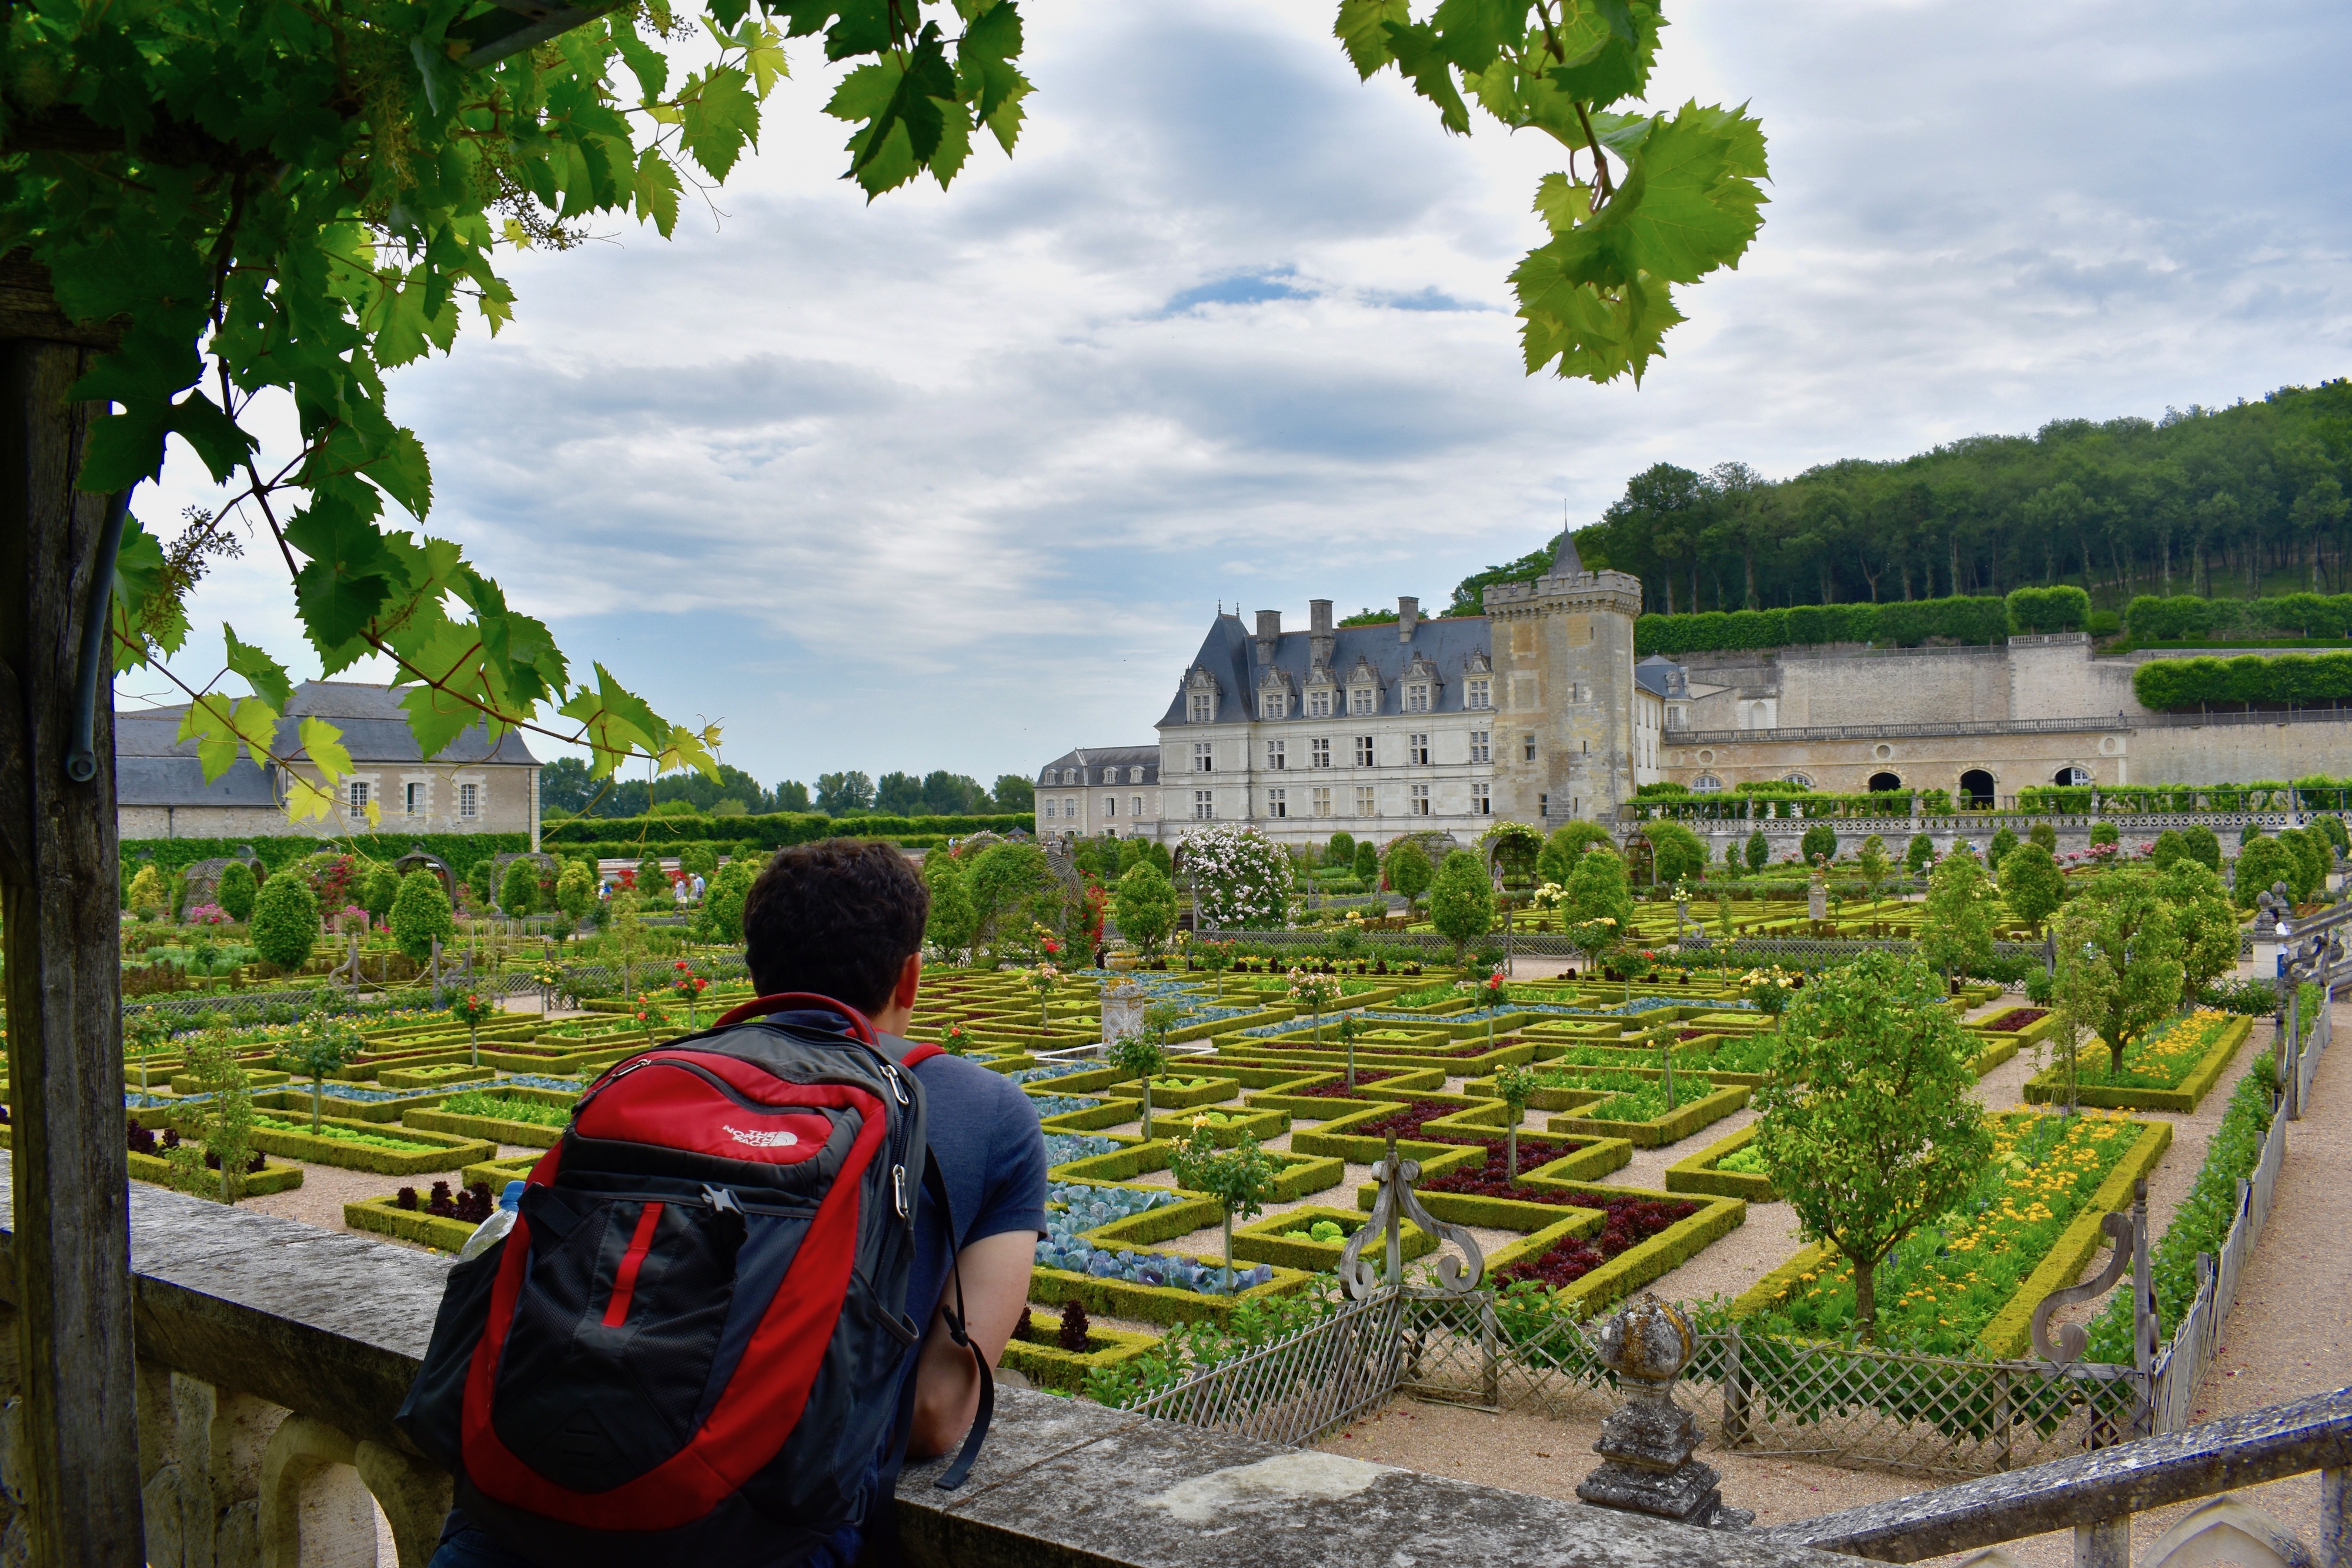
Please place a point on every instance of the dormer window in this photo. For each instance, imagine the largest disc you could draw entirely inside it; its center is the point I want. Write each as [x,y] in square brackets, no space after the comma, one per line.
[1477,692]
[1416,698]
[1318,703]
[1273,705]
[1205,707]
[1363,701]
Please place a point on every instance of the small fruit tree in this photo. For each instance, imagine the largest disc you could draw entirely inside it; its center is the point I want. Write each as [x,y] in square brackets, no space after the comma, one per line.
[1239,1178]
[1462,901]
[320,1045]
[1241,879]
[1956,931]
[575,894]
[2034,888]
[1315,992]
[519,893]
[1596,911]
[2208,925]
[236,890]
[473,1009]
[222,1119]
[2120,956]
[1488,994]
[1145,1053]
[1514,1086]
[1867,1128]
[1348,1030]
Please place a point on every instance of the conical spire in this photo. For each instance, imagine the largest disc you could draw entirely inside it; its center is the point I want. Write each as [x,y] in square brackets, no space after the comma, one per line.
[1568,563]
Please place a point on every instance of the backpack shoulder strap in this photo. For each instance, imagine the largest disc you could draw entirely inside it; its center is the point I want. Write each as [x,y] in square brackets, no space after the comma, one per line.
[908,1053]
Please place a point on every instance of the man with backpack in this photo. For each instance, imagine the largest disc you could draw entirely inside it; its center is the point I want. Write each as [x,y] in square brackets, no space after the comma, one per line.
[765,1265]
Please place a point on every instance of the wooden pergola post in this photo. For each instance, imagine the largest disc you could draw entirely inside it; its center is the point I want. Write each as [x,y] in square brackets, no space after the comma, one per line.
[59,855]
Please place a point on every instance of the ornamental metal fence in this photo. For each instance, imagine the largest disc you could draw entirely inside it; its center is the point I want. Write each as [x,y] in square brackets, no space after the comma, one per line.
[333,995]
[1830,1403]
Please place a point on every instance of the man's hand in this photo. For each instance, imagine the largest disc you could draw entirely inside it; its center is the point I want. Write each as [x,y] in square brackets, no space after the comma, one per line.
[996,1272]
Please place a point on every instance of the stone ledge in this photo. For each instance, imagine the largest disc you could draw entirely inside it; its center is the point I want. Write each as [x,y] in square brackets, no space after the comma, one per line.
[331,1326]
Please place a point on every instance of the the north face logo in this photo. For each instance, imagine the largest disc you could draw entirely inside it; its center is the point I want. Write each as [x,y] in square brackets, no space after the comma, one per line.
[759,1140]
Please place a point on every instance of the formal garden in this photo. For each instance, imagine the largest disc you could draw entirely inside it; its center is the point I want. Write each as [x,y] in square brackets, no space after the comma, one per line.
[1220,1072]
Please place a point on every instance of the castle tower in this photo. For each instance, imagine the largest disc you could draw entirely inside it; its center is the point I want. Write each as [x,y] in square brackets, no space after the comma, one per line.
[1564,666]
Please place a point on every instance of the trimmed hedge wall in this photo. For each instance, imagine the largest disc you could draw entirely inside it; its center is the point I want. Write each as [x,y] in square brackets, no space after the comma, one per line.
[2294,678]
[155,1169]
[1044,1363]
[1671,1128]
[1152,1303]
[619,837]
[2048,1087]
[449,1154]
[2152,618]
[461,850]
[1268,1241]
[497,1129]
[1960,620]
[1696,1173]
[386,1217]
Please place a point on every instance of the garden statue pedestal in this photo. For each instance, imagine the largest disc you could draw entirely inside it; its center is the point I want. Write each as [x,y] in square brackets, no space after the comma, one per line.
[1817,898]
[1123,1010]
[1646,1443]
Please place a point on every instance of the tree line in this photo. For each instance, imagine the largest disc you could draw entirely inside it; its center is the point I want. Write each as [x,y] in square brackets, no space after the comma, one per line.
[2226,502]
[566,785]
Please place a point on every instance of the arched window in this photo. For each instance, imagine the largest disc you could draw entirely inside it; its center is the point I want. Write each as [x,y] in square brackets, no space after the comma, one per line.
[1976,788]
[1706,784]
[1799,779]
[2072,775]
[1880,781]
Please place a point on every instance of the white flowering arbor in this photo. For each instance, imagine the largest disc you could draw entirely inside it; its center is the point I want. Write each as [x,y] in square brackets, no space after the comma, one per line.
[1241,880]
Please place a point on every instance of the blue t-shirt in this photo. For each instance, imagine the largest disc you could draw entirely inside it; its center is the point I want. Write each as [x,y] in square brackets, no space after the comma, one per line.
[984,1136]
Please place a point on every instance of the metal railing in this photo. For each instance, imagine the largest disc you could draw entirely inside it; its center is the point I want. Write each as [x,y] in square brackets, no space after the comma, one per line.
[1293,1390]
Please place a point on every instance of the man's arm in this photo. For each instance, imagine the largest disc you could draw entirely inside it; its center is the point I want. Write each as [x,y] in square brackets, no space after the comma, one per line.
[996,1272]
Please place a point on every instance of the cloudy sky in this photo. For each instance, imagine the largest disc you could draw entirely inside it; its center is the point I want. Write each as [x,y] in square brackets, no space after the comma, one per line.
[958,479]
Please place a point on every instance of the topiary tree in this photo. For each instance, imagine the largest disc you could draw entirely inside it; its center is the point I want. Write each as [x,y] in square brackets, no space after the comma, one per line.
[1409,872]
[1366,862]
[654,886]
[1011,888]
[949,924]
[1759,849]
[2045,834]
[1145,1053]
[2105,833]
[2002,842]
[1956,930]
[1462,901]
[1820,844]
[1867,1128]
[2204,847]
[2119,955]
[1596,905]
[2264,862]
[2314,855]
[284,922]
[2031,885]
[1917,855]
[421,914]
[1514,1086]
[235,892]
[1144,905]
[1340,852]
[320,1045]
[519,894]
[146,896]
[2169,849]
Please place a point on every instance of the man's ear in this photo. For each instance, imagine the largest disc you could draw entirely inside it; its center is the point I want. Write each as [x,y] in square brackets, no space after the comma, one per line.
[910,977]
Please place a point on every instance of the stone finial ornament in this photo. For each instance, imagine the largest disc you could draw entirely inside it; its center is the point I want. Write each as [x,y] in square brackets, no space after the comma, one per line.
[1646,1443]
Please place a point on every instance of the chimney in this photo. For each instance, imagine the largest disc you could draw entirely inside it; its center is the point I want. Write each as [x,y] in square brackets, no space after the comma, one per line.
[1408,617]
[1269,635]
[1320,634]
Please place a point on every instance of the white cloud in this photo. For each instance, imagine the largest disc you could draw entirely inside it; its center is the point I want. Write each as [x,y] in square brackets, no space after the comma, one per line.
[957,479]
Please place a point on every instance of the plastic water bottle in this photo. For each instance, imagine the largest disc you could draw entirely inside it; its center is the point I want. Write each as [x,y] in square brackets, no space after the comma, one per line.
[486,1235]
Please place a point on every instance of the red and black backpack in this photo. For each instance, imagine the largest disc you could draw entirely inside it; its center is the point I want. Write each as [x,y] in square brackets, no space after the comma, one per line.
[694,1344]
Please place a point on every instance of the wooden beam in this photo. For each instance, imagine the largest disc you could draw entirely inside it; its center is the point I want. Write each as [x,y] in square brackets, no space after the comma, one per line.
[79,1451]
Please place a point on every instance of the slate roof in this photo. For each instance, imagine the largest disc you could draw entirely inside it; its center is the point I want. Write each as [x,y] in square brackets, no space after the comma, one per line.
[1090,762]
[1229,654]
[152,767]
[1662,677]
